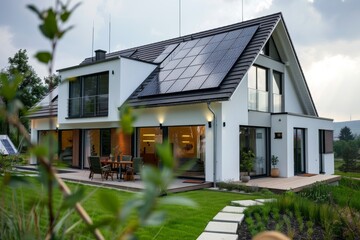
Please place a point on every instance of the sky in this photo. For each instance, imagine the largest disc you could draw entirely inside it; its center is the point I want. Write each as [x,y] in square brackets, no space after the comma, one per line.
[325,34]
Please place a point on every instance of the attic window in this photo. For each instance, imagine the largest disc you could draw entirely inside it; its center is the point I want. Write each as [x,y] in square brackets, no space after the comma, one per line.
[271,50]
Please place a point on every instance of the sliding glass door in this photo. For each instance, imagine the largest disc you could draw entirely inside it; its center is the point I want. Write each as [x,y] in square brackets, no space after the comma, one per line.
[255,139]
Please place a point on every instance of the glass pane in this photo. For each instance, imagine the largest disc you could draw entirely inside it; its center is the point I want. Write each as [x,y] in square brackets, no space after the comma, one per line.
[90,85]
[277,100]
[148,138]
[188,146]
[252,99]
[66,147]
[252,77]
[261,79]
[262,101]
[103,82]
[277,83]
[105,142]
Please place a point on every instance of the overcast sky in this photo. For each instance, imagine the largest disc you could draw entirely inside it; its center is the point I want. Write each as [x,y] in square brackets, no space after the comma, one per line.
[326,35]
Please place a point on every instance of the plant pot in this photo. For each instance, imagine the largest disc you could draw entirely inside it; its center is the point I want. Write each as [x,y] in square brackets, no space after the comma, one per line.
[245,179]
[275,172]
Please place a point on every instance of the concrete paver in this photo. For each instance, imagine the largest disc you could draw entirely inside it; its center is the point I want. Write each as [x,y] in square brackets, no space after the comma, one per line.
[229,217]
[222,227]
[266,200]
[217,236]
[246,203]
[233,209]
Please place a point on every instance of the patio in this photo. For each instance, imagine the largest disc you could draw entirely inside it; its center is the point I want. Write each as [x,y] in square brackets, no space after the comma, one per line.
[296,183]
[82,176]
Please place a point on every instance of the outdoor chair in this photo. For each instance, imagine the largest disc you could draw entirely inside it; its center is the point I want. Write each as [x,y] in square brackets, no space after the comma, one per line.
[115,168]
[96,168]
[137,164]
[129,174]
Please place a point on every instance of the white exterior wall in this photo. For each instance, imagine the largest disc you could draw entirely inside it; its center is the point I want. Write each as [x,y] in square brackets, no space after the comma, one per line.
[283,148]
[37,125]
[291,97]
[184,115]
[234,113]
[128,75]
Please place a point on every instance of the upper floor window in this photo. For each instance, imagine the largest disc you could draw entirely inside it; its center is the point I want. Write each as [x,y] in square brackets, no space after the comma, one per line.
[258,89]
[277,92]
[89,95]
[270,50]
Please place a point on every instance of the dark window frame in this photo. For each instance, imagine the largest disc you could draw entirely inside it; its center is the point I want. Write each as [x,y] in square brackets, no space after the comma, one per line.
[81,113]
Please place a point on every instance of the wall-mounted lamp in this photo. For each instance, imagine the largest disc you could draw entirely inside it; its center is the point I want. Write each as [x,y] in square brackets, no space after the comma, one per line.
[209,124]
[224,124]
[160,125]
[57,127]
[112,72]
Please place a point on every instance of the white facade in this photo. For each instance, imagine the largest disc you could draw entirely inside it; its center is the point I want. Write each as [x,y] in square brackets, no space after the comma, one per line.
[223,138]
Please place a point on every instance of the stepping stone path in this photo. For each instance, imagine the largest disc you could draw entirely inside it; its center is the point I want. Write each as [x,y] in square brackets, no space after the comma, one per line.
[225,224]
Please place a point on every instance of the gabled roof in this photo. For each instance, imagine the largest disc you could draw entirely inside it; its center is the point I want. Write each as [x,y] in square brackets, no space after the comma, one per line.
[265,26]
[224,88]
[43,108]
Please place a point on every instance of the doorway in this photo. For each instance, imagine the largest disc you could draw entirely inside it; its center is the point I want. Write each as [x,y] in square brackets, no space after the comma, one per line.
[299,151]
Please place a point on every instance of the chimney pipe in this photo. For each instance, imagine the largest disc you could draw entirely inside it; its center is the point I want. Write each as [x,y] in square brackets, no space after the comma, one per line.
[100,55]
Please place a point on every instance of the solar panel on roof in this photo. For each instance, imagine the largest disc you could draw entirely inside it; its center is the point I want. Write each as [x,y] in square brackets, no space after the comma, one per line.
[8,147]
[165,53]
[203,63]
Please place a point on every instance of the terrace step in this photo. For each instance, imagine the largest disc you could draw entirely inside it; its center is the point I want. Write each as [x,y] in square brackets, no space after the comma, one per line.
[266,200]
[217,236]
[222,227]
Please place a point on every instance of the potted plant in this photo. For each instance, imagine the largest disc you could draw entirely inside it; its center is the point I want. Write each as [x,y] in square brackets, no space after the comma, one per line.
[247,164]
[275,172]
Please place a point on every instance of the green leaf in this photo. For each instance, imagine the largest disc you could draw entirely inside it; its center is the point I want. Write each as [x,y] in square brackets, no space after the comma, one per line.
[155,219]
[165,154]
[129,207]
[49,28]
[43,57]
[35,10]
[127,119]
[65,16]
[109,202]
[71,200]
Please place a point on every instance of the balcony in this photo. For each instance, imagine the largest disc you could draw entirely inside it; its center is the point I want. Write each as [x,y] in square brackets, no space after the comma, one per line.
[277,102]
[258,100]
[88,106]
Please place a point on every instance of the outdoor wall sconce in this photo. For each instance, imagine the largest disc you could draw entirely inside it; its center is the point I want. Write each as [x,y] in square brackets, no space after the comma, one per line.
[209,124]
[112,72]
[224,124]
[160,125]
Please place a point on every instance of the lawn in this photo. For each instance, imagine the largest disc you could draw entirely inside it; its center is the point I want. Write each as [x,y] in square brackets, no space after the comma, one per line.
[182,222]
[338,163]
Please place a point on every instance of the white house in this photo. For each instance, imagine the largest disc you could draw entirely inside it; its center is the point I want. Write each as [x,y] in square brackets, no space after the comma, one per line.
[213,94]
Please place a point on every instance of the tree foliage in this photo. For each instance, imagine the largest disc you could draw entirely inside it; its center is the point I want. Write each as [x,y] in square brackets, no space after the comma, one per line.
[52,81]
[346,134]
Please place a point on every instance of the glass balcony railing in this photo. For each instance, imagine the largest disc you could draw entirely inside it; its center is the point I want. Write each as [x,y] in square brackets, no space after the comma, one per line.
[277,102]
[88,106]
[258,100]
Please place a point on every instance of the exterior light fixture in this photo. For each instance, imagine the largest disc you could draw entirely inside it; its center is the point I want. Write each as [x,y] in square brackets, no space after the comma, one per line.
[224,124]
[160,125]
[209,124]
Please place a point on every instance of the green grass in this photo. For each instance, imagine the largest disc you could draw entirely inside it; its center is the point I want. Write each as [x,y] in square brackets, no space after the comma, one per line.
[182,222]
[338,163]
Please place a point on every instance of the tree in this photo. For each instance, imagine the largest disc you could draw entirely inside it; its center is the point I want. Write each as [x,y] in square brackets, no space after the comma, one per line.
[52,81]
[346,134]
[30,90]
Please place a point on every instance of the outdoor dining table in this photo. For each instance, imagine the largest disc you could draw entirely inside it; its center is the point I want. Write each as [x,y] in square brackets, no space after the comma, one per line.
[120,165]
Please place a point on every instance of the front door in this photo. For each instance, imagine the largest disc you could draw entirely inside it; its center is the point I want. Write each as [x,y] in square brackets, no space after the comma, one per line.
[299,151]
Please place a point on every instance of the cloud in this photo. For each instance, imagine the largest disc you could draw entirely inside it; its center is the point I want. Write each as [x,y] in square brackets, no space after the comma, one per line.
[7,48]
[333,79]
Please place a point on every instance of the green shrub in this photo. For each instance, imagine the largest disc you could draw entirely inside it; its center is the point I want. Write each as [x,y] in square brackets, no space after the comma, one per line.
[319,192]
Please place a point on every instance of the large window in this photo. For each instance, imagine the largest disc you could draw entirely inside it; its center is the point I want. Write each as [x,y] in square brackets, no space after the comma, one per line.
[88,96]
[299,150]
[258,89]
[255,139]
[277,92]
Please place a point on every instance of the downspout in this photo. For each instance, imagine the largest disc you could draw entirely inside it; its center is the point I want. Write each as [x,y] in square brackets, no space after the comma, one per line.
[214,140]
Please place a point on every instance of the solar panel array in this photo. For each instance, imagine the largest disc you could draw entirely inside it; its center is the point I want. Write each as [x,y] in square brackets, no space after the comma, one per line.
[198,64]
[8,146]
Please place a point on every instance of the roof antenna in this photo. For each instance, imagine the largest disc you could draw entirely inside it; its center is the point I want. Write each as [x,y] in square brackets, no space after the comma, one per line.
[92,44]
[242,10]
[109,30]
[179,18]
